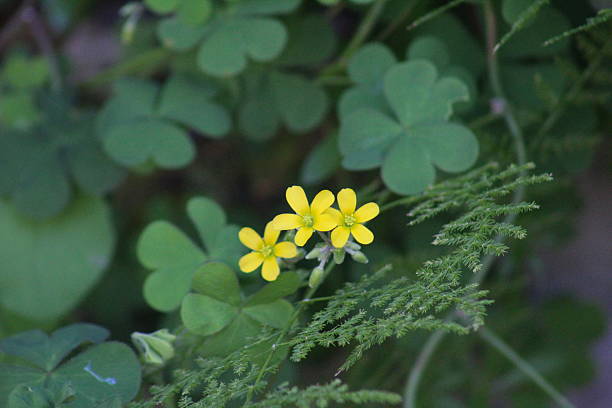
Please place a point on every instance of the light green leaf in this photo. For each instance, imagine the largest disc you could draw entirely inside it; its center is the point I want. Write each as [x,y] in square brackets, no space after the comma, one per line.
[133,144]
[227,246]
[208,217]
[367,129]
[187,100]
[237,334]
[322,161]
[451,147]
[264,7]
[275,314]
[225,51]
[165,288]
[36,265]
[286,284]
[426,100]
[370,63]
[429,48]
[218,281]
[176,35]
[407,168]
[17,110]
[204,315]
[23,72]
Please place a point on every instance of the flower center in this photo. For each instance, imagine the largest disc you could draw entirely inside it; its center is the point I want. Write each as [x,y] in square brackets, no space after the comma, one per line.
[349,221]
[267,251]
[308,220]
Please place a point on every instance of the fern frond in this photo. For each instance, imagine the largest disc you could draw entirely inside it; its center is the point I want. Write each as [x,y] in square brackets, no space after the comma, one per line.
[527,14]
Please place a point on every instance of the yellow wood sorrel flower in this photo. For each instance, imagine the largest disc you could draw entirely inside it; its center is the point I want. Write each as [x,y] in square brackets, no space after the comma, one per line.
[308,218]
[265,251]
[350,222]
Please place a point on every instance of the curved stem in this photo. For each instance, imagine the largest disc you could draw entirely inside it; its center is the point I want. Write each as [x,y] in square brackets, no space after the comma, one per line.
[497,343]
[416,373]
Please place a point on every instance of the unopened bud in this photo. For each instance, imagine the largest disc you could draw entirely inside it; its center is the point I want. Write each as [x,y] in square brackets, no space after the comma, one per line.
[315,253]
[360,257]
[339,255]
[353,245]
[315,277]
[156,348]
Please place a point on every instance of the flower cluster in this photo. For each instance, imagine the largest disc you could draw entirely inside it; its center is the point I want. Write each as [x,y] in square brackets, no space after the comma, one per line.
[343,224]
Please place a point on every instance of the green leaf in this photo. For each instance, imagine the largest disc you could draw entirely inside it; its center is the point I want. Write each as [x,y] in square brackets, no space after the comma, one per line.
[451,147]
[260,7]
[218,281]
[208,217]
[135,143]
[29,397]
[429,48]
[302,104]
[23,72]
[427,99]
[111,360]
[286,284]
[370,63]
[275,314]
[187,101]
[194,11]
[162,6]
[236,335]
[225,51]
[322,161]
[227,246]
[407,169]
[311,41]
[176,35]
[512,9]
[36,260]
[93,171]
[204,315]
[11,376]
[17,110]
[175,258]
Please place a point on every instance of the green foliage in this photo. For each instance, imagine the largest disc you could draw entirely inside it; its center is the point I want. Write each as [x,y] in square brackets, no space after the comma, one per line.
[37,257]
[100,374]
[410,133]
[141,123]
[174,258]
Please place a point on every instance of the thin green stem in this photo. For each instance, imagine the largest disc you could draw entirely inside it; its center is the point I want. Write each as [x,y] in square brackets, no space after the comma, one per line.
[301,306]
[497,343]
[363,31]
[416,372]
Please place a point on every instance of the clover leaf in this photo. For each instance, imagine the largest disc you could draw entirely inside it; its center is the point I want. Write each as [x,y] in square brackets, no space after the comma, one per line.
[416,136]
[235,33]
[142,123]
[37,165]
[36,265]
[218,309]
[276,95]
[174,257]
[104,372]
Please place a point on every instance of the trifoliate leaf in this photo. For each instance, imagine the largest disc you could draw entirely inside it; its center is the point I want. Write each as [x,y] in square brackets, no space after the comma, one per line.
[104,371]
[204,315]
[286,284]
[36,265]
[278,97]
[137,127]
[218,281]
[409,143]
[174,257]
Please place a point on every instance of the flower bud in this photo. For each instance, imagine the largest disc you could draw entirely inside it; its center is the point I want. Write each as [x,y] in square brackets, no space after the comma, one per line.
[360,257]
[156,348]
[339,255]
[315,276]
[353,245]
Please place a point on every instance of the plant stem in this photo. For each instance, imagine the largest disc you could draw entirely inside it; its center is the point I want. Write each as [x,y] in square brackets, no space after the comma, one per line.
[301,306]
[497,343]
[398,20]
[361,35]
[416,373]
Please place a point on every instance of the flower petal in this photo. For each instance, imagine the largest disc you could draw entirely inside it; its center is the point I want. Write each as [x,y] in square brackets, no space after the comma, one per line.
[285,249]
[362,234]
[366,212]
[270,234]
[322,201]
[250,261]
[270,269]
[296,197]
[250,239]
[324,222]
[347,201]
[303,235]
[339,236]
[338,217]
[287,221]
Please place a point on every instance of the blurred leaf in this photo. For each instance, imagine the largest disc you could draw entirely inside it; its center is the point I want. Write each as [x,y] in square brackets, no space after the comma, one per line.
[36,266]
[312,41]
[20,71]
[177,35]
[162,6]
[322,161]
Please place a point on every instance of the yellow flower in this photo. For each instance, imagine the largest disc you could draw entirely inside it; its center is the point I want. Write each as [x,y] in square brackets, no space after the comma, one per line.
[307,218]
[350,221]
[265,251]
